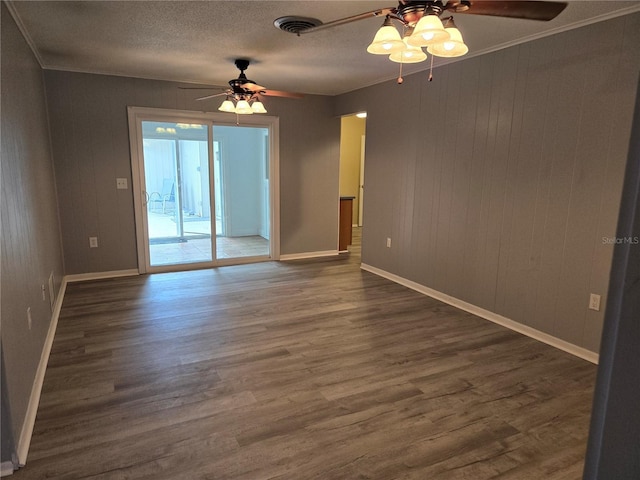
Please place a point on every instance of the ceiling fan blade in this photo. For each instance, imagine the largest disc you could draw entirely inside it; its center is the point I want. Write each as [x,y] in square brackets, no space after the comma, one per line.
[213,96]
[530,10]
[278,93]
[341,21]
[252,87]
[212,87]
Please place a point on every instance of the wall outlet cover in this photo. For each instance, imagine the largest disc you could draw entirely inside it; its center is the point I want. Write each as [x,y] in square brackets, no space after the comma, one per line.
[594,302]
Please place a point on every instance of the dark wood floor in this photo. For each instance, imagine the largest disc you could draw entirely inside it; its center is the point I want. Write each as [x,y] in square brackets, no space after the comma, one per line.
[299,370]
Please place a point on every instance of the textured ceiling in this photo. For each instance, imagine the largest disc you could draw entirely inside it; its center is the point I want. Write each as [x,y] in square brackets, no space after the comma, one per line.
[196,41]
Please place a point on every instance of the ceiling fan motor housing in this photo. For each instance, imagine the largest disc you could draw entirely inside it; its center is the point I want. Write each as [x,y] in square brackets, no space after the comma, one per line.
[411,12]
[237,84]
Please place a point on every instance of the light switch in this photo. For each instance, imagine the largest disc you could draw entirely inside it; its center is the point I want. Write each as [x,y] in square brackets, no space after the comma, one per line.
[121,183]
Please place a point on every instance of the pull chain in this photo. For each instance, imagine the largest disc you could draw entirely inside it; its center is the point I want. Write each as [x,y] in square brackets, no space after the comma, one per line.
[431,70]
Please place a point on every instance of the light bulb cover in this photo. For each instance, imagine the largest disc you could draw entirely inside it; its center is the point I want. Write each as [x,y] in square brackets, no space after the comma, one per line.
[409,54]
[386,41]
[258,107]
[243,108]
[427,31]
[227,106]
[454,47]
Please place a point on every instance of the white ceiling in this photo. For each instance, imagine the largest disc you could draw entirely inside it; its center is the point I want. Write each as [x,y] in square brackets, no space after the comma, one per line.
[196,41]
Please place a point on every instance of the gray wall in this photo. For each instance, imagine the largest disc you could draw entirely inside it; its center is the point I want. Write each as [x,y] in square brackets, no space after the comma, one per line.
[91,149]
[498,180]
[30,239]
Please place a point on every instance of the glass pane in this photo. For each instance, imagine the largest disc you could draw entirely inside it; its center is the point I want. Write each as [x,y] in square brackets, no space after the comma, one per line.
[241,179]
[176,165]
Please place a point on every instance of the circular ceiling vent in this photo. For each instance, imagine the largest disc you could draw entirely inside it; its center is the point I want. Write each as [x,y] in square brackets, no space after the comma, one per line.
[293,24]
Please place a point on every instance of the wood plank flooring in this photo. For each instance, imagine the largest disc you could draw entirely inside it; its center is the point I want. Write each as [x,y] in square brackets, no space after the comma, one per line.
[299,370]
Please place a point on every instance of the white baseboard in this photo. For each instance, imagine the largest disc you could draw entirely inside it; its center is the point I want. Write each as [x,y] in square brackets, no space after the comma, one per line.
[299,256]
[488,315]
[34,399]
[6,469]
[81,277]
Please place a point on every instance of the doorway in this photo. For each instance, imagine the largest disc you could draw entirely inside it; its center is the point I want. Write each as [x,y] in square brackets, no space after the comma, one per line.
[202,189]
[352,159]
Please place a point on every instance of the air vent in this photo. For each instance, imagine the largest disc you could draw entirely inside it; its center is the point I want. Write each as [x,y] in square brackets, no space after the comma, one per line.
[293,24]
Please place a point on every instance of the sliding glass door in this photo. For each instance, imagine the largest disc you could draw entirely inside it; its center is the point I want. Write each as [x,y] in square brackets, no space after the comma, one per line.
[176,185]
[203,192]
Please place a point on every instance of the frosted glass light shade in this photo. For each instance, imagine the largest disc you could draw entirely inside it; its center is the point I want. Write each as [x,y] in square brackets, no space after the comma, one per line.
[243,108]
[428,30]
[227,106]
[454,47]
[386,41]
[258,107]
[409,54]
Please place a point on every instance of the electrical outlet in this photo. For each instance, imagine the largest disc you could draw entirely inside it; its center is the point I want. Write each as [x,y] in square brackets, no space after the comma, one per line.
[388,242]
[121,183]
[29,317]
[594,302]
[93,242]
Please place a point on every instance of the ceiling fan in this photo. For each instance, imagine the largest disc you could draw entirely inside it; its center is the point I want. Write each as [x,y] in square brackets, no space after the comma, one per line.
[244,92]
[409,12]
[422,26]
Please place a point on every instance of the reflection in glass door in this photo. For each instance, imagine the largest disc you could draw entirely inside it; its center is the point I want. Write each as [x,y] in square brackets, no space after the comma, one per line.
[178,205]
[241,168]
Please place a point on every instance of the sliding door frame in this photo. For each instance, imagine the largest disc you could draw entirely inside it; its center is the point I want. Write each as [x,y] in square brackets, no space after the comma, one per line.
[136,115]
